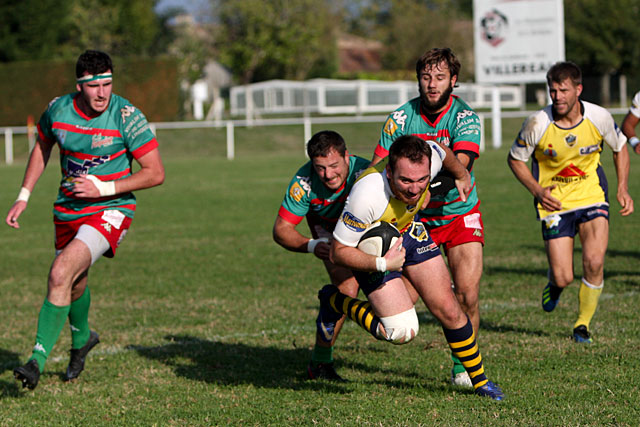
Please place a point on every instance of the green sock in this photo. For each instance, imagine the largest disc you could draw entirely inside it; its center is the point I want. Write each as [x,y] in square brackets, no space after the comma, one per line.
[50,323]
[79,319]
[322,354]
[458,367]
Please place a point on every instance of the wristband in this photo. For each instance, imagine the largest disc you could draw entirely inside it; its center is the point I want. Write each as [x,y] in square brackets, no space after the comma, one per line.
[23,195]
[105,188]
[633,141]
[381,264]
[312,243]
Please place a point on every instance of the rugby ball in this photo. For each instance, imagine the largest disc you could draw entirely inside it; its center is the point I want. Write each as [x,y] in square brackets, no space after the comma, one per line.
[378,238]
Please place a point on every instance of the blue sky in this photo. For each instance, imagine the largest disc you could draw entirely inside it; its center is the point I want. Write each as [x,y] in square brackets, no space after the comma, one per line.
[195,7]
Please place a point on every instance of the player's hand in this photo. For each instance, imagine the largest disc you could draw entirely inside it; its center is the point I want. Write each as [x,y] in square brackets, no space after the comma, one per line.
[464,186]
[637,149]
[395,256]
[548,202]
[85,188]
[322,250]
[626,202]
[14,213]
[427,199]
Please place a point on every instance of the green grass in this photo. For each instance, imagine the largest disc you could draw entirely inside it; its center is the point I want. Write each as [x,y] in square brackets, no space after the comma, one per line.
[205,321]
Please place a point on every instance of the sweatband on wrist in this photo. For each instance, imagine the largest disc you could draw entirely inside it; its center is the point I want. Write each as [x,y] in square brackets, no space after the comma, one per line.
[312,243]
[381,264]
[23,195]
[105,188]
[634,141]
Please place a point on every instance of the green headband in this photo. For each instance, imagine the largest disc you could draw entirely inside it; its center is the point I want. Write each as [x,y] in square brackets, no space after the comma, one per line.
[91,77]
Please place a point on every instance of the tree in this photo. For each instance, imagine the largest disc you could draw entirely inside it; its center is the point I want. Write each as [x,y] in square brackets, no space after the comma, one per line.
[260,40]
[61,29]
[602,37]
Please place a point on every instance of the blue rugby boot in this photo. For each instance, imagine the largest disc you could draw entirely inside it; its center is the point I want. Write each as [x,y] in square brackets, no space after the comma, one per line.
[550,297]
[490,390]
[327,316]
[581,335]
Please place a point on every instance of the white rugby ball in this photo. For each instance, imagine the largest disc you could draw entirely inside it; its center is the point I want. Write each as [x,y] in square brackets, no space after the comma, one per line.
[378,238]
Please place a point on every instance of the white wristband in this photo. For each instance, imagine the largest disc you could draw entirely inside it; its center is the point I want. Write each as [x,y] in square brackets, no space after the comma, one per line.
[633,141]
[381,264]
[312,243]
[23,195]
[106,188]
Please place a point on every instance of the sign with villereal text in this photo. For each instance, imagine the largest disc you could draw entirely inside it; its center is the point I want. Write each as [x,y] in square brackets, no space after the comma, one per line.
[516,41]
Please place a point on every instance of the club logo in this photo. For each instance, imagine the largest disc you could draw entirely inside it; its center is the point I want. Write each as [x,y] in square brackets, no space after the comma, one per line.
[493,27]
[571,140]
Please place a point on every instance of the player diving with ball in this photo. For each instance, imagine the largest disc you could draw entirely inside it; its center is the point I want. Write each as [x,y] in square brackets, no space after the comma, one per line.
[394,191]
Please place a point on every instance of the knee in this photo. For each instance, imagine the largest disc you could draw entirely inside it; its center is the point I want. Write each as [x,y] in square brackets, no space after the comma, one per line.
[468,299]
[58,277]
[401,328]
[593,264]
[562,279]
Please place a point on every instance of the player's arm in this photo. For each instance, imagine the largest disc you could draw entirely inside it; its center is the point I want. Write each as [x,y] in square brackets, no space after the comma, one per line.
[629,129]
[35,166]
[621,162]
[151,174]
[354,259]
[542,194]
[375,160]
[286,235]
[461,176]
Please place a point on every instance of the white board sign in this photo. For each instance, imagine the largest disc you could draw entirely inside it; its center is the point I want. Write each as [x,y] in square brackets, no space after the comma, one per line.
[516,41]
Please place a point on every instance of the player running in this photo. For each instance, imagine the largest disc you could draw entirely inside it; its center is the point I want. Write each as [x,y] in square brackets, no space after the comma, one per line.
[570,190]
[98,134]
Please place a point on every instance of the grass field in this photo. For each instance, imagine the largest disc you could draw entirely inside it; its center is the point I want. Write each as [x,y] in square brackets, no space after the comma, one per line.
[204,320]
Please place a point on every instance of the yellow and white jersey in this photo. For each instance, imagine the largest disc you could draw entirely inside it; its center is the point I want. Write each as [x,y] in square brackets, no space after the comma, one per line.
[635,105]
[371,200]
[569,158]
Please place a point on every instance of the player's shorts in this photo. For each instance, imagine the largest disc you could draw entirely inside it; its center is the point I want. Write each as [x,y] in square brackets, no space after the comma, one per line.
[419,248]
[566,224]
[112,224]
[464,229]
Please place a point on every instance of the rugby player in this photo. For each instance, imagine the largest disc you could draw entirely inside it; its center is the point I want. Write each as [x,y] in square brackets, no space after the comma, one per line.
[631,121]
[394,191]
[453,223]
[564,141]
[318,191]
[98,134]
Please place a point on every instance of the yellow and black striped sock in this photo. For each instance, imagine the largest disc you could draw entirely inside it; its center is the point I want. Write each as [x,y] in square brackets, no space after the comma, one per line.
[356,310]
[463,346]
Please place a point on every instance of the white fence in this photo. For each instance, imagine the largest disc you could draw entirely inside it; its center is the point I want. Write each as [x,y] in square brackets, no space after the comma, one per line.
[230,126]
[327,96]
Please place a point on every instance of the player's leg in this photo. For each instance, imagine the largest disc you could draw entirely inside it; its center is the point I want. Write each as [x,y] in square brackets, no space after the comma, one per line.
[82,338]
[321,365]
[70,264]
[594,236]
[465,264]
[432,281]
[560,275]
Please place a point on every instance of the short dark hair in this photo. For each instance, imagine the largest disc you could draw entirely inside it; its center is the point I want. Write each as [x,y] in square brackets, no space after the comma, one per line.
[93,62]
[323,142]
[560,71]
[435,56]
[410,147]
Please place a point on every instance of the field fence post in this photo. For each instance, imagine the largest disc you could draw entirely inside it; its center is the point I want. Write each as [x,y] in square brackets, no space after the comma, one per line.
[230,141]
[307,133]
[8,145]
[482,118]
[496,120]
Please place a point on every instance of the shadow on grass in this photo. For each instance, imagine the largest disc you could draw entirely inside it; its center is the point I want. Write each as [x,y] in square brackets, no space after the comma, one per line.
[233,364]
[8,361]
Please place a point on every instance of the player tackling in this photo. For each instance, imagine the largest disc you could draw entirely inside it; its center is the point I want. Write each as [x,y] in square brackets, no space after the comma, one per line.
[98,134]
